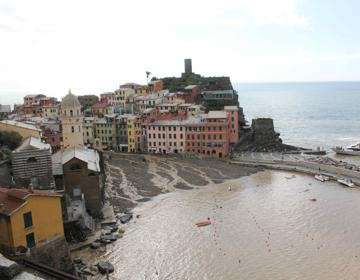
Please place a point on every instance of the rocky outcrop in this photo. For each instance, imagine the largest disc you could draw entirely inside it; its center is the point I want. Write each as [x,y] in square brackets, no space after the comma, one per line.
[262,137]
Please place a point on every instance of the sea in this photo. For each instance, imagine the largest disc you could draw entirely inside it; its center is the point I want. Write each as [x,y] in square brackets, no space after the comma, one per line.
[310,115]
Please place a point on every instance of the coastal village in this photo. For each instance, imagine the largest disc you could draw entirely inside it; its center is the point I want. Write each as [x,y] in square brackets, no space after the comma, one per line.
[53,196]
[72,170]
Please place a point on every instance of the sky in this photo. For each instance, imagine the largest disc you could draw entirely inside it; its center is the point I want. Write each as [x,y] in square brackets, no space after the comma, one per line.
[49,46]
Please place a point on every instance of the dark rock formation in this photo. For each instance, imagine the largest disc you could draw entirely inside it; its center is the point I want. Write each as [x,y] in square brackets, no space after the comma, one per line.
[262,137]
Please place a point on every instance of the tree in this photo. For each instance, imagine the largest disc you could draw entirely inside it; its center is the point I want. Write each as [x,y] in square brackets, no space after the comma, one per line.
[10,139]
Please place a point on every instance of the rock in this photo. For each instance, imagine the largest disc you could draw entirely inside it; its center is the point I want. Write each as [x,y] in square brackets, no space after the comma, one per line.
[95,245]
[8,268]
[125,218]
[88,271]
[78,261]
[94,268]
[105,267]
[114,228]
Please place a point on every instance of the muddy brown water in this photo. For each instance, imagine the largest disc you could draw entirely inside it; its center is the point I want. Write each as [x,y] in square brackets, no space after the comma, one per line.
[265,228]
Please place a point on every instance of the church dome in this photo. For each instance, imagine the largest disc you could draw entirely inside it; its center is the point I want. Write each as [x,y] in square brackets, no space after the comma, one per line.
[70,100]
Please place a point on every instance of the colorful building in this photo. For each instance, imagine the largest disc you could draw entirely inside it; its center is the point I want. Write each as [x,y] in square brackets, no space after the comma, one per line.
[29,218]
[166,137]
[89,134]
[50,111]
[124,96]
[121,133]
[102,108]
[134,133]
[105,131]
[233,115]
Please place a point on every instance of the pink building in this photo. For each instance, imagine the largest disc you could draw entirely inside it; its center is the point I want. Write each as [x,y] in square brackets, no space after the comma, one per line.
[210,137]
[206,134]
[29,99]
[233,115]
[166,137]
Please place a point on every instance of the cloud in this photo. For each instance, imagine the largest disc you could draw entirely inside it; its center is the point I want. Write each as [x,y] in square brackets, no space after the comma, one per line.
[94,45]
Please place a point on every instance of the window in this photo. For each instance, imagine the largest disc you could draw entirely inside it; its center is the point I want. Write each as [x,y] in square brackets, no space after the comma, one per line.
[27,220]
[31,159]
[71,113]
[72,129]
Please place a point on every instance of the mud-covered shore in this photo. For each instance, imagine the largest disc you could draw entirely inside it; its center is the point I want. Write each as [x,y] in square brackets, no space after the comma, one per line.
[133,178]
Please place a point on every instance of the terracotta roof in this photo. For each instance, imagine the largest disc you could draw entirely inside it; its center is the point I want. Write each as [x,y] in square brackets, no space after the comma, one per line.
[12,199]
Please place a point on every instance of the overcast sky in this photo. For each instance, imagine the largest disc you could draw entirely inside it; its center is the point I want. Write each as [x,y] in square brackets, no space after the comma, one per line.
[93,46]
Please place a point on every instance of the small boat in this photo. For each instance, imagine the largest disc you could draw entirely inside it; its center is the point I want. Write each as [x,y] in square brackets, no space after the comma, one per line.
[346,182]
[352,151]
[355,147]
[321,178]
[203,224]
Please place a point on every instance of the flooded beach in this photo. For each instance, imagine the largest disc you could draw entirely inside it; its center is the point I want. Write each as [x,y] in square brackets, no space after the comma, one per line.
[267,227]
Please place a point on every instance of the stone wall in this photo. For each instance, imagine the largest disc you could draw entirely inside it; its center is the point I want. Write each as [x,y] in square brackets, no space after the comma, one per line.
[55,254]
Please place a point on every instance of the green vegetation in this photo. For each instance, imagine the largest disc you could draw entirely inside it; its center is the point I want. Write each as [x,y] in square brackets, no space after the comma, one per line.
[10,140]
[206,83]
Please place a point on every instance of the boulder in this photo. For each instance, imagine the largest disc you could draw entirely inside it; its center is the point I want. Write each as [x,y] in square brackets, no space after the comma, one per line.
[105,267]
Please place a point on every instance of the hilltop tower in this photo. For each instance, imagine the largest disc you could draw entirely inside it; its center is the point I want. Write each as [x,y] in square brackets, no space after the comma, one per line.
[72,122]
[188,66]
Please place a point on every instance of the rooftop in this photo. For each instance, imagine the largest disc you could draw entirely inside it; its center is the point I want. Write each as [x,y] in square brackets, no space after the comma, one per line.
[190,87]
[91,157]
[216,115]
[32,142]
[20,124]
[12,199]
[5,109]
[70,100]
[231,108]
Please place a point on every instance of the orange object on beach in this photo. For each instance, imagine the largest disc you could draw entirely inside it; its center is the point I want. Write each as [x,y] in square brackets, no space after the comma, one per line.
[203,224]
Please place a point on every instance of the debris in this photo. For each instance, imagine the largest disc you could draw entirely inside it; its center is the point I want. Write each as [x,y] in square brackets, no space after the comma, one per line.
[203,224]
[313,199]
[105,267]
[125,218]
[95,245]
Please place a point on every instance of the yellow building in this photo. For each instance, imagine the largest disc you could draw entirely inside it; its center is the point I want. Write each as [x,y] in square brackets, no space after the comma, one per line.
[50,111]
[134,133]
[29,218]
[24,129]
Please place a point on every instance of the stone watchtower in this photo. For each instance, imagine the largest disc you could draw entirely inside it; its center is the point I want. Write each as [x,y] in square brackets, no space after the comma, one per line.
[188,66]
[71,122]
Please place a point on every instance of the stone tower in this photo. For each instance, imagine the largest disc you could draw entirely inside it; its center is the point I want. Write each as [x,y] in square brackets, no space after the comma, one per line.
[188,66]
[71,122]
